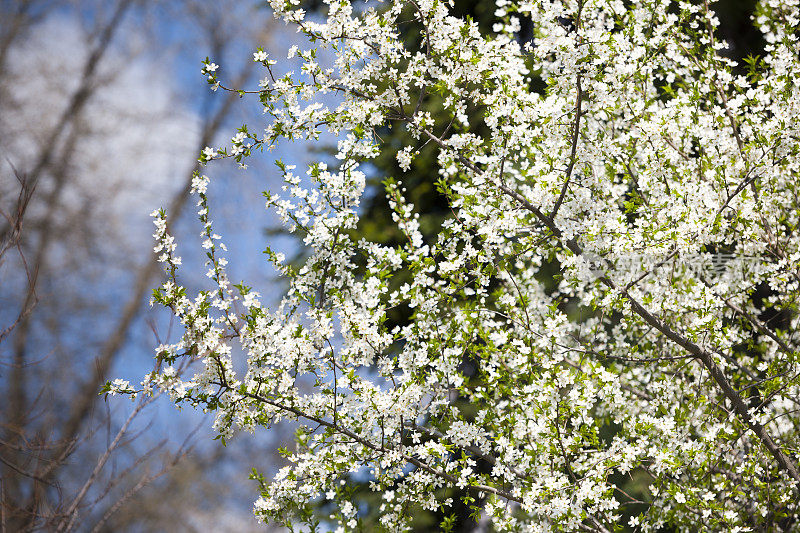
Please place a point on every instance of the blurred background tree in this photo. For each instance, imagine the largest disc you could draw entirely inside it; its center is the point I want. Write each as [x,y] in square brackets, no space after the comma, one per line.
[103,113]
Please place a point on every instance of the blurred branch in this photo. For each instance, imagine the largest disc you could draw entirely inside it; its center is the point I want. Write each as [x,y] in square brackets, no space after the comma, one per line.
[82,95]
[72,511]
[10,238]
[18,20]
[182,452]
[10,235]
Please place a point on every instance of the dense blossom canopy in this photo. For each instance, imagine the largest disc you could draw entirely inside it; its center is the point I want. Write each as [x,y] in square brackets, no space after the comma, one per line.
[658,177]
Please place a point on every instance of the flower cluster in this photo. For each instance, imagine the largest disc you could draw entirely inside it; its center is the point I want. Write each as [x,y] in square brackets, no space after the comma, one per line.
[646,141]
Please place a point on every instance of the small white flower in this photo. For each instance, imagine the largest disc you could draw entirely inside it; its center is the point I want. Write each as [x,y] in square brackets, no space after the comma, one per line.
[404,158]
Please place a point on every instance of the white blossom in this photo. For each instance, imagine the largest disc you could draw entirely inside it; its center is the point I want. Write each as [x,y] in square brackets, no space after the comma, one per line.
[644,158]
